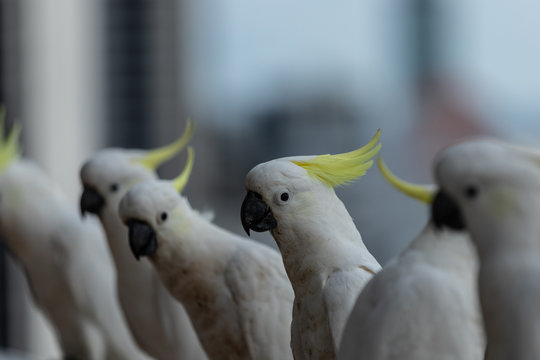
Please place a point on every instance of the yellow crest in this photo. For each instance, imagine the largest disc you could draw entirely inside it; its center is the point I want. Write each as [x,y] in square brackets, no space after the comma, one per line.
[422,193]
[340,169]
[158,156]
[181,180]
[9,147]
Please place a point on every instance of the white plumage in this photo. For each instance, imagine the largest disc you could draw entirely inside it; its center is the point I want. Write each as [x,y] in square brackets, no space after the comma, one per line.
[235,290]
[422,305]
[323,253]
[67,264]
[493,190]
[158,322]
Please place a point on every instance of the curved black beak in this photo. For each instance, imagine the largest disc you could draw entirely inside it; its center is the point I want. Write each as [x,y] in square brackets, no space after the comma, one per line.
[255,214]
[142,238]
[91,201]
[445,212]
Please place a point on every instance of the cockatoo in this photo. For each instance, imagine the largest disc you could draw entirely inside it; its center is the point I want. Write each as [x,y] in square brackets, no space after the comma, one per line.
[424,303]
[493,190]
[158,322]
[65,259]
[235,290]
[323,253]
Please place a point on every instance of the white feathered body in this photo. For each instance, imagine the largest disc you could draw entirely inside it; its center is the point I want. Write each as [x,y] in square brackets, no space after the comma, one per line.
[325,258]
[328,266]
[158,322]
[509,279]
[236,291]
[68,266]
[423,305]
[495,188]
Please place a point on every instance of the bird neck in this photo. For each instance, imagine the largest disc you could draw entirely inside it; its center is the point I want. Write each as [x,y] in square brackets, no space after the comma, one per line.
[514,237]
[198,251]
[445,249]
[312,246]
[117,240]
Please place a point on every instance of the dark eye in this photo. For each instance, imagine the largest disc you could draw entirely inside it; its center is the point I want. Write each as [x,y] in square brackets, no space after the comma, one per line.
[163,216]
[113,187]
[471,192]
[284,196]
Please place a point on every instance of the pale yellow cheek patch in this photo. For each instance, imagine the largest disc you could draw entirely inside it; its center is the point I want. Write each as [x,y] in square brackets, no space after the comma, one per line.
[131,183]
[503,202]
[307,201]
[180,224]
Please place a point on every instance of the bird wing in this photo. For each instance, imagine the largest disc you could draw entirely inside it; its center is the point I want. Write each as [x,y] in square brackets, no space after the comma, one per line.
[92,277]
[263,295]
[409,312]
[340,292]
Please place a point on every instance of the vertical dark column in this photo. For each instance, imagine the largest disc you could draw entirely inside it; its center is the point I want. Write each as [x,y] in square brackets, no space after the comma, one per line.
[423,37]
[127,61]
[10,86]
[3,267]
[423,31]
[168,112]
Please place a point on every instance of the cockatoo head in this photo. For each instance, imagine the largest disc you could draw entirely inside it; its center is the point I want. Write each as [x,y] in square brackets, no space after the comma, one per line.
[154,212]
[288,190]
[110,173]
[484,185]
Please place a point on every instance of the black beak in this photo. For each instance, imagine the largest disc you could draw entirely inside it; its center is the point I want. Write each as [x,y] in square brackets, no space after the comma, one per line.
[445,212]
[256,215]
[91,201]
[142,238]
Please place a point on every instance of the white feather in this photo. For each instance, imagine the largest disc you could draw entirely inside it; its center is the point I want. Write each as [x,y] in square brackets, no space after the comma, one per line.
[497,189]
[67,265]
[158,322]
[323,253]
[423,305]
[235,290]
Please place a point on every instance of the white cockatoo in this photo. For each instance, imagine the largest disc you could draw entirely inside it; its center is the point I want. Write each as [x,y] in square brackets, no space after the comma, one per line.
[65,259]
[235,290]
[323,253]
[493,190]
[158,322]
[423,305]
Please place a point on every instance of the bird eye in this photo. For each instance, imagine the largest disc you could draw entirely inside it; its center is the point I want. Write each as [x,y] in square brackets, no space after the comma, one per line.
[471,191]
[284,196]
[163,216]
[113,187]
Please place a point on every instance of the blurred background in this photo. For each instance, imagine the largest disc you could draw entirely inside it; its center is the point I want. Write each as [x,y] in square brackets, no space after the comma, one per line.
[262,80]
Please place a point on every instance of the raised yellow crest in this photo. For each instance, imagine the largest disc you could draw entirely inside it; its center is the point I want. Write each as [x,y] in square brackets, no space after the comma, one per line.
[158,156]
[9,147]
[181,180]
[422,193]
[341,169]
